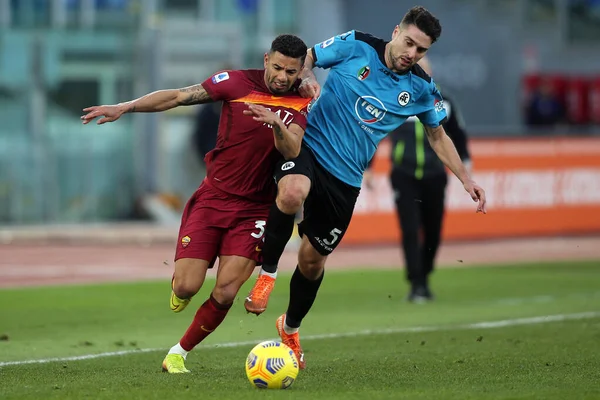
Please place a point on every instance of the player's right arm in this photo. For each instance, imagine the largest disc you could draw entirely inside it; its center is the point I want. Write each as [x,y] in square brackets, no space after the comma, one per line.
[288,140]
[161,100]
[325,55]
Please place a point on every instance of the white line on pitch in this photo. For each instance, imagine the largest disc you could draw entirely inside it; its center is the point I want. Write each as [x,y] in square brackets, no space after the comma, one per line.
[368,332]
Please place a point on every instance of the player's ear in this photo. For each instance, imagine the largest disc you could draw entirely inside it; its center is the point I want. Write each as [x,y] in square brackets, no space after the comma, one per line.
[266,60]
[396,31]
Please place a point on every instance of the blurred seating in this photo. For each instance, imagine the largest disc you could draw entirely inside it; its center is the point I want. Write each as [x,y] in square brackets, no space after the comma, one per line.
[552,99]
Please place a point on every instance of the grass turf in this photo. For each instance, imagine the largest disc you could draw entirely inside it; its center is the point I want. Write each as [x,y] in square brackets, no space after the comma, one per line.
[551,360]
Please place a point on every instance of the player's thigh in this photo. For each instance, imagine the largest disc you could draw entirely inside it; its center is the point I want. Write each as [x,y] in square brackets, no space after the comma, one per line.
[245,236]
[327,212]
[200,236]
[294,178]
[292,191]
[233,272]
[189,276]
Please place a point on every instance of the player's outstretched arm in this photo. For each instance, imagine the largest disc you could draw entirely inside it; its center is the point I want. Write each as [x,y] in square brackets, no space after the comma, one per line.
[160,100]
[310,86]
[287,139]
[446,151]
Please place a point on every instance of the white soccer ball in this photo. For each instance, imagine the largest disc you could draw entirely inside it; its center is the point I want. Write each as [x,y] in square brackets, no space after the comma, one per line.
[271,365]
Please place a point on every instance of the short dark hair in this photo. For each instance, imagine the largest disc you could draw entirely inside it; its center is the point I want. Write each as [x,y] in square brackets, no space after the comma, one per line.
[289,46]
[424,20]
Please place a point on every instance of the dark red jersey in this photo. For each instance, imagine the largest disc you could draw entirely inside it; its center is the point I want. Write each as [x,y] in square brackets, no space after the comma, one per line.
[244,159]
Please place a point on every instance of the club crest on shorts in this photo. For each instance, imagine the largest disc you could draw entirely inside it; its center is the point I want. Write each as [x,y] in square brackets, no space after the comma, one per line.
[185,241]
[288,165]
[403,98]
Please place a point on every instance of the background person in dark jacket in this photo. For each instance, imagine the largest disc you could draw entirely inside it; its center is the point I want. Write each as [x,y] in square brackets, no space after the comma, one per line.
[419,182]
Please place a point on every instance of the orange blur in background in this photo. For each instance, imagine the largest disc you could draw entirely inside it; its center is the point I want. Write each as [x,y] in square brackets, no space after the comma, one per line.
[535,187]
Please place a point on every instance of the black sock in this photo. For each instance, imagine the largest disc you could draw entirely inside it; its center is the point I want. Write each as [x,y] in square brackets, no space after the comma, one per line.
[277,233]
[303,293]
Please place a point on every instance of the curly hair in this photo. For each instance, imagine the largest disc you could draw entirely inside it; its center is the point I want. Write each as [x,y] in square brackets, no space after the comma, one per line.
[289,46]
[424,20]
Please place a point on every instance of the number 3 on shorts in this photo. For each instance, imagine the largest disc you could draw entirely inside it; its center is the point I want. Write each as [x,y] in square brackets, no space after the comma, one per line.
[335,235]
[260,225]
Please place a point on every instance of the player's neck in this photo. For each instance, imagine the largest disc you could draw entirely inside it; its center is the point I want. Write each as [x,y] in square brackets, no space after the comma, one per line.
[386,57]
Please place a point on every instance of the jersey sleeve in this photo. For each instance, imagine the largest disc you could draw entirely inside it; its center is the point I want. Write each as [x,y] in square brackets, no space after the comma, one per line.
[301,117]
[300,111]
[226,85]
[435,114]
[334,50]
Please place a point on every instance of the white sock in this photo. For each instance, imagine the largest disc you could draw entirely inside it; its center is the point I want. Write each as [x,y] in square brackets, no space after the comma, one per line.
[271,274]
[177,349]
[289,330]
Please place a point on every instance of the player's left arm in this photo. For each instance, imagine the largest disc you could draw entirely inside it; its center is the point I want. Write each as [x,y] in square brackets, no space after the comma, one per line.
[443,146]
[446,151]
[288,139]
[310,86]
[455,127]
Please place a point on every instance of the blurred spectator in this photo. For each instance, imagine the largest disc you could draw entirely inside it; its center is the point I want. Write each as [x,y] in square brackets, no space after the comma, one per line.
[419,181]
[206,124]
[545,108]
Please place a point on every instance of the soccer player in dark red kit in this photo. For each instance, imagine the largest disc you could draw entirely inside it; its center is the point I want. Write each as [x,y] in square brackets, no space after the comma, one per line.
[262,120]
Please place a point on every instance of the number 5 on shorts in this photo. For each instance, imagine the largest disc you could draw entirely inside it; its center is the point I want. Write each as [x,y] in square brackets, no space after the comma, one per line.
[260,225]
[335,236]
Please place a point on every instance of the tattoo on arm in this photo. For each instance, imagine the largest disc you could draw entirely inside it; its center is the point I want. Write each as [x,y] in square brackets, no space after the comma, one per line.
[278,132]
[194,95]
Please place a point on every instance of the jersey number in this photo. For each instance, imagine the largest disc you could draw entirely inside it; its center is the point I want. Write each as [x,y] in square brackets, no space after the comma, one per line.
[334,237]
[260,225]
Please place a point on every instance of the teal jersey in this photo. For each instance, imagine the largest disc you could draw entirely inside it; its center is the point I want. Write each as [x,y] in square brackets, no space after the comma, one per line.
[362,101]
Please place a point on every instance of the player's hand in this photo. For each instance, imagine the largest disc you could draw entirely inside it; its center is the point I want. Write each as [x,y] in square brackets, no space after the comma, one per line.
[262,114]
[108,114]
[310,88]
[477,194]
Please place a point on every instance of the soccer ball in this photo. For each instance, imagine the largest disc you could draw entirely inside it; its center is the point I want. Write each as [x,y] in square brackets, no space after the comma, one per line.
[271,365]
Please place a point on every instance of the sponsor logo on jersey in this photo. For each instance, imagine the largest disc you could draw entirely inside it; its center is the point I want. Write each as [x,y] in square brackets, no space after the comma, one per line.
[327,43]
[288,165]
[364,72]
[369,109]
[223,76]
[403,98]
[438,105]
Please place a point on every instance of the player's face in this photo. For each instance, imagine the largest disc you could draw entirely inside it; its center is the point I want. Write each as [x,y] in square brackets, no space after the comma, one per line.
[408,45]
[281,72]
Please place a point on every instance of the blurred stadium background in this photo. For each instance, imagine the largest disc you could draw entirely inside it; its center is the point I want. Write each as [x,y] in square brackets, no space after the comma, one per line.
[81,204]
[495,56]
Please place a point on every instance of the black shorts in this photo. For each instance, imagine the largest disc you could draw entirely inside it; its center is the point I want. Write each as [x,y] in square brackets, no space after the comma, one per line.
[330,203]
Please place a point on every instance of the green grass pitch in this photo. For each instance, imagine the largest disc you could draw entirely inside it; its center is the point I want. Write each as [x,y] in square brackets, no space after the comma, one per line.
[362,340]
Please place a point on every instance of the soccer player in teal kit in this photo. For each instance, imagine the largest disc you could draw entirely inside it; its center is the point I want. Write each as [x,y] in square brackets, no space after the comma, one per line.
[372,88]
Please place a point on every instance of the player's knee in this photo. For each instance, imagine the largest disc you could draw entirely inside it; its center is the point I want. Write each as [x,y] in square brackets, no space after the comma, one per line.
[311,270]
[290,198]
[225,292]
[185,289]
[311,263]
